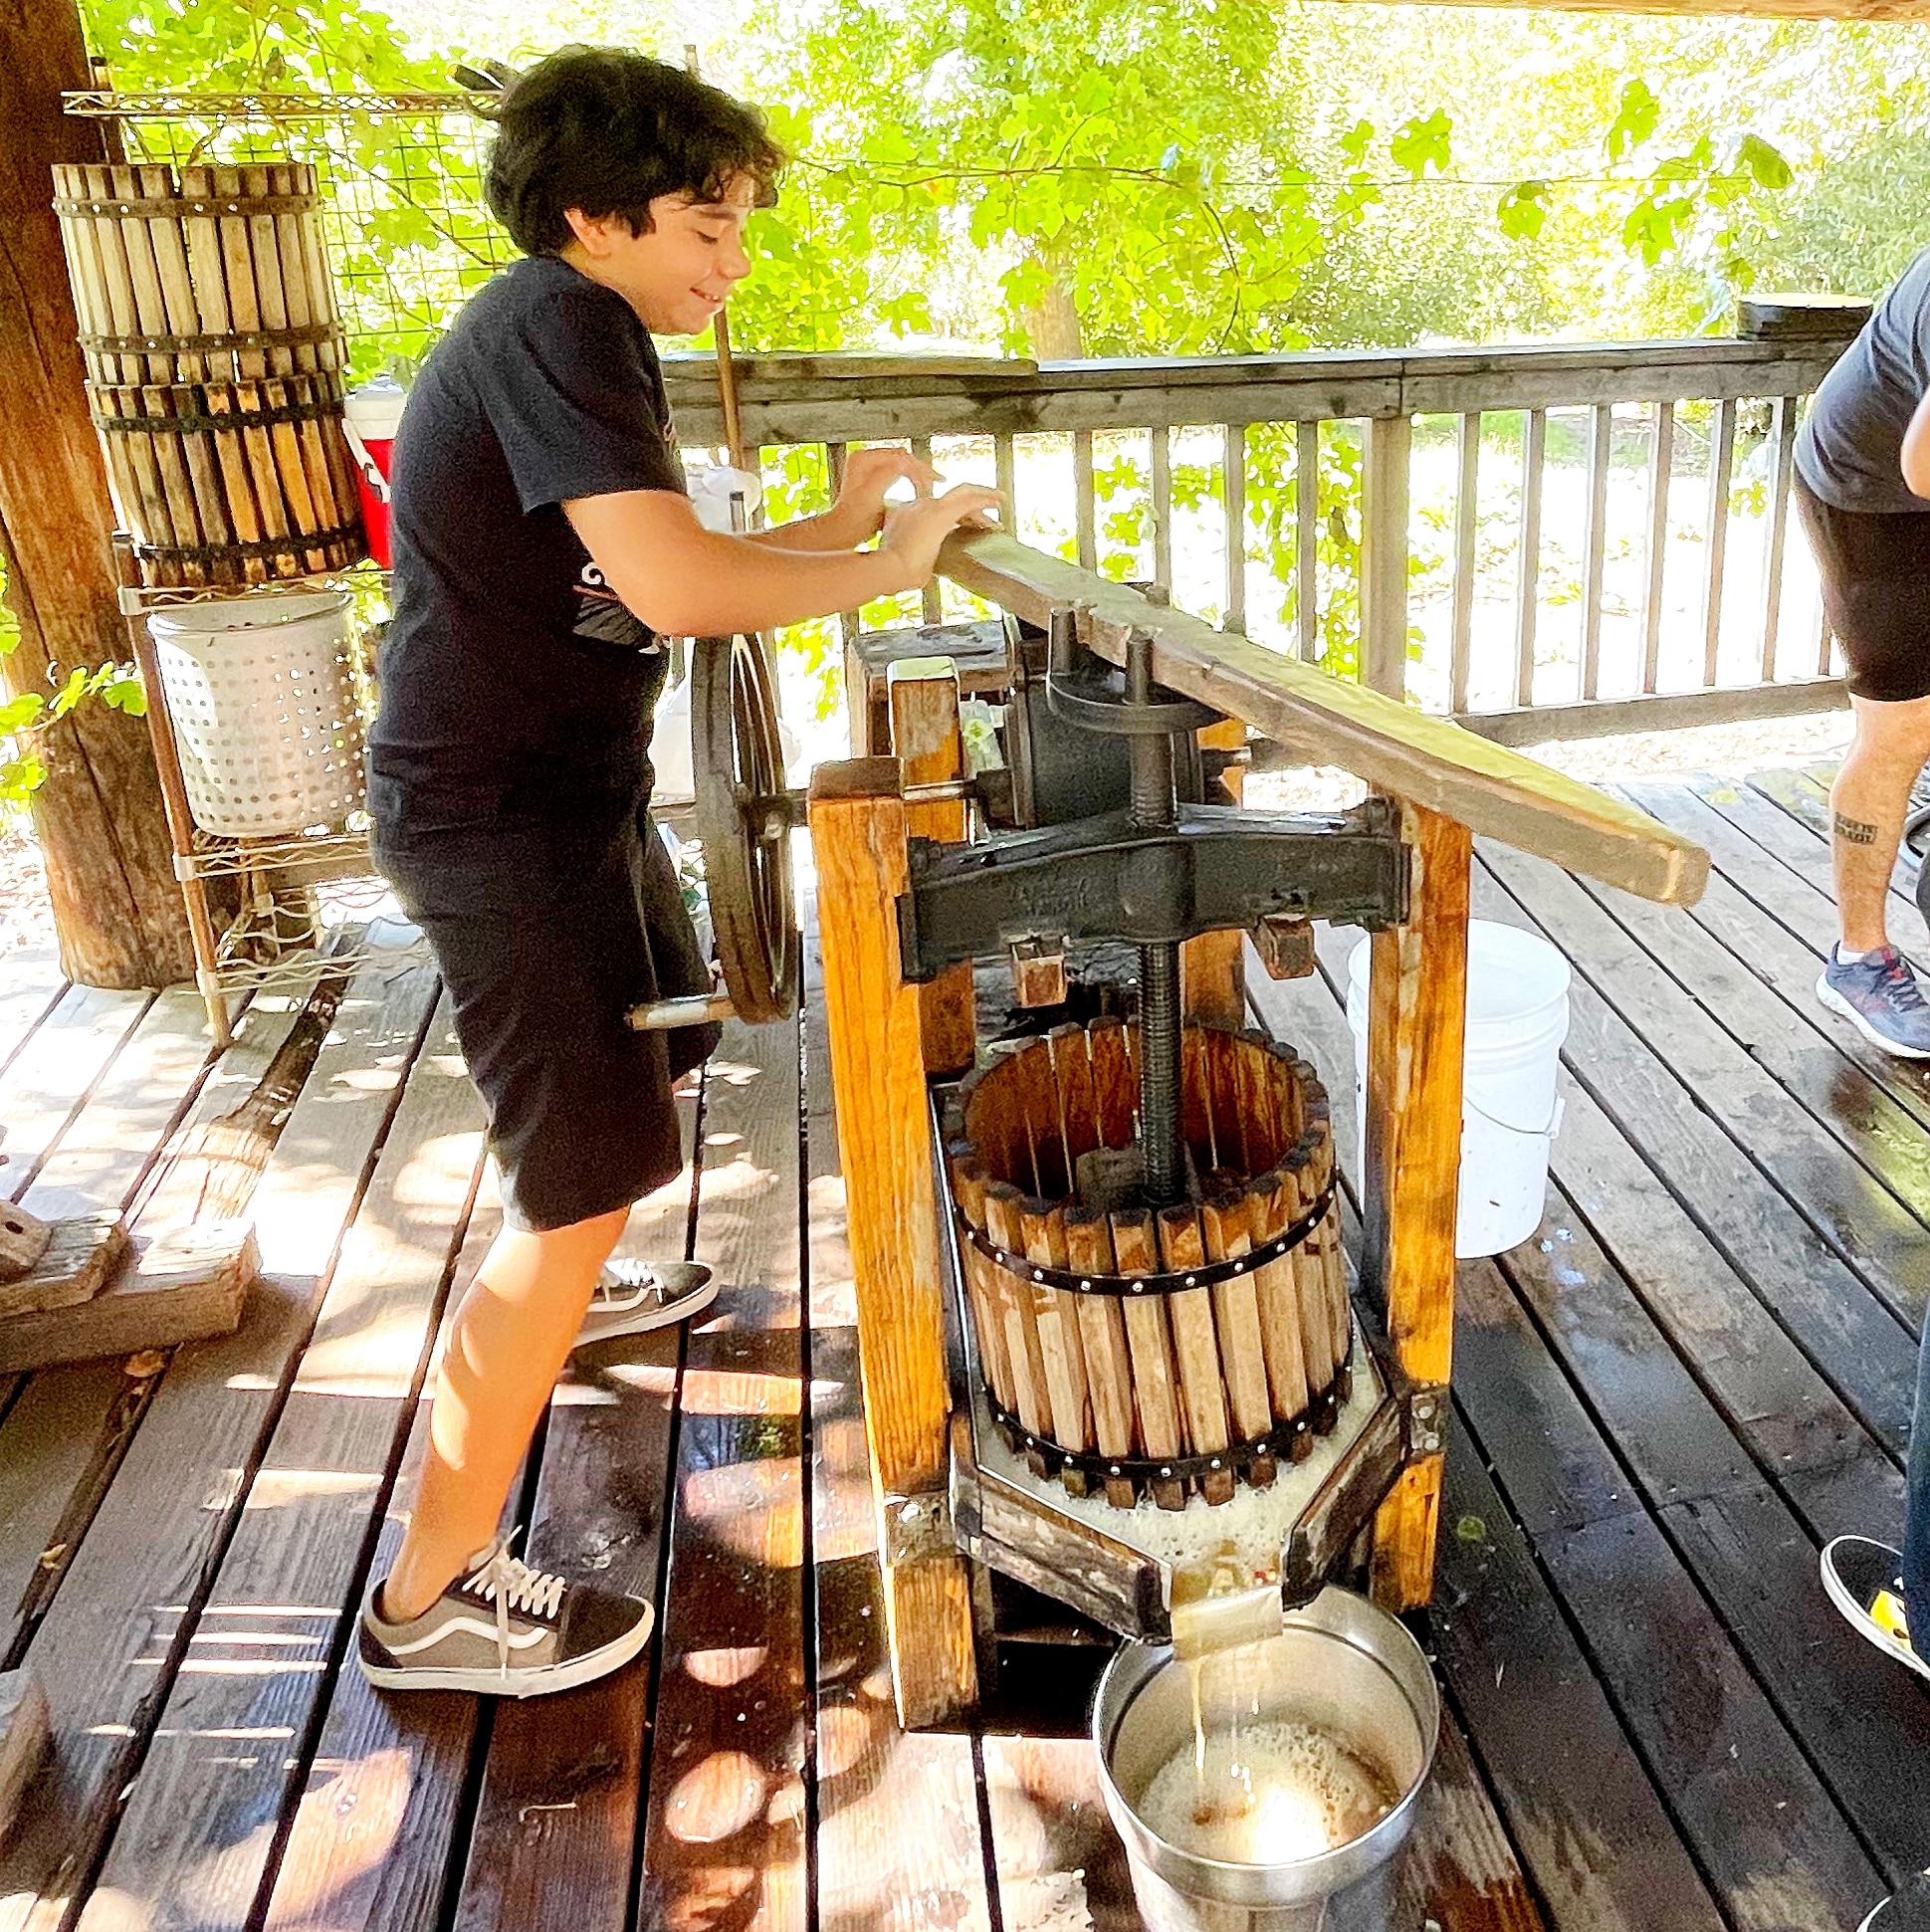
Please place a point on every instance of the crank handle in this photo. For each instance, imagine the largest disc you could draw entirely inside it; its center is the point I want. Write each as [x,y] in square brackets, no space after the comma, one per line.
[695,1010]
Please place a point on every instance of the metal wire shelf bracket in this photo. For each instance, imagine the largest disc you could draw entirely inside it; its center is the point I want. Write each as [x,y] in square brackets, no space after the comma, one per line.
[138,601]
[102,103]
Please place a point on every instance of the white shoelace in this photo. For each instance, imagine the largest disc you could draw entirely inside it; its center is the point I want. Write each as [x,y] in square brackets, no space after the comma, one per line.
[508,1583]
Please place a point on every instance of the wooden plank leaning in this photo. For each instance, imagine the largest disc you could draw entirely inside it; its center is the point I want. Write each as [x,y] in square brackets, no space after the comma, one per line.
[1436,764]
[858,834]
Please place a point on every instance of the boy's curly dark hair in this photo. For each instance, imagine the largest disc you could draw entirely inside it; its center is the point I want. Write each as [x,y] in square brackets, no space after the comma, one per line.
[607,130]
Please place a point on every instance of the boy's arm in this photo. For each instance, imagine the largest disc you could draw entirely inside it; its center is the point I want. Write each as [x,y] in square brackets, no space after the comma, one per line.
[859,512]
[1916,450]
[684,580]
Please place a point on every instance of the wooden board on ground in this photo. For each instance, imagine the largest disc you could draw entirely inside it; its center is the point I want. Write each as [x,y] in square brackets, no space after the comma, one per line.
[80,1253]
[1399,750]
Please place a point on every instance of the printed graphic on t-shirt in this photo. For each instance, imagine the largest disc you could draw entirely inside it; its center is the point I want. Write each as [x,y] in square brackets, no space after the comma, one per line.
[603,618]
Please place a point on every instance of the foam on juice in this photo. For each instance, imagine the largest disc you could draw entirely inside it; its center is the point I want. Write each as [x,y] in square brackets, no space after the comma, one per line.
[1267,1794]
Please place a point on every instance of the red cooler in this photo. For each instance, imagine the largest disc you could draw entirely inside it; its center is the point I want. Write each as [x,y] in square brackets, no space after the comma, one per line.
[371,414]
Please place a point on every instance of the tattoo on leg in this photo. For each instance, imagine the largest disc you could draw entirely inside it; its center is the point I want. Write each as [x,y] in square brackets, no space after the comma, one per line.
[1852,831]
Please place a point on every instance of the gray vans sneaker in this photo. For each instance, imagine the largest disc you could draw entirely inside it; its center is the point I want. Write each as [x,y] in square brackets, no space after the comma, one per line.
[636,1296]
[504,1630]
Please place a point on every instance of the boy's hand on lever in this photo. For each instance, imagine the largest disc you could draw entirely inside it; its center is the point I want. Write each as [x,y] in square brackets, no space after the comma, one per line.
[868,475]
[914,533]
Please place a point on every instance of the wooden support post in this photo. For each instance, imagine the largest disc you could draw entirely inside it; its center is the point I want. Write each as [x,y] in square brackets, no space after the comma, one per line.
[924,737]
[99,818]
[858,834]
[1212,973]
[1417,1010]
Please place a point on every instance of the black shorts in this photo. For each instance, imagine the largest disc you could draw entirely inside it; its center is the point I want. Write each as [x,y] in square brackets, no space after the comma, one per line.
[541,970]
[1876,572]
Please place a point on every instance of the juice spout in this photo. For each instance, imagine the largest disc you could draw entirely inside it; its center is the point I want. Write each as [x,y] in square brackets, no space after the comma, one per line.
[1218,1603]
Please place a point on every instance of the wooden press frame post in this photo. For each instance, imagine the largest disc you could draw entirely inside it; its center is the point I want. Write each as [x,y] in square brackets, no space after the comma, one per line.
[929,749]
[858,840]
[1416,1027]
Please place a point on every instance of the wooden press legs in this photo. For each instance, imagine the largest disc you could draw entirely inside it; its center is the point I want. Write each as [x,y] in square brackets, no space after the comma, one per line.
[1416,1024]
[858,834]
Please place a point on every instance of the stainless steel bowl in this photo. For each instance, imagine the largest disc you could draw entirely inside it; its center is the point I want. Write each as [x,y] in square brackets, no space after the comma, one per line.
[1341,1664]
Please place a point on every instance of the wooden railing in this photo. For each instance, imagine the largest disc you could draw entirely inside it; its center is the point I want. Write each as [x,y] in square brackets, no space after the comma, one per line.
[1403,448]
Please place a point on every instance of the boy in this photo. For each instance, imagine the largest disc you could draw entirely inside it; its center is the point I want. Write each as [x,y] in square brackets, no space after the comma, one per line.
[543,544]
[1862,475]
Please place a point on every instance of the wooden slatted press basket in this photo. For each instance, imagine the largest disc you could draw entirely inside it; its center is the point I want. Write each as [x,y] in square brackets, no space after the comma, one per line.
[214,358]
[1128,1352]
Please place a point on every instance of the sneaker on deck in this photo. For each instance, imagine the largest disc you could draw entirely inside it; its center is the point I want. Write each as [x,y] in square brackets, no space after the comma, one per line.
[634,1297]
[1878,994]
[1863,1580]
[504,1630]
[1906,1910]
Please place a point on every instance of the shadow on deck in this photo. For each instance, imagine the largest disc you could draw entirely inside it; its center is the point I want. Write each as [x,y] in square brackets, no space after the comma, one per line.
[1698,1369]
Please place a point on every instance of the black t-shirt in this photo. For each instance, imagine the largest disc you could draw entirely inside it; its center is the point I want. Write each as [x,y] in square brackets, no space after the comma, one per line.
[515,688]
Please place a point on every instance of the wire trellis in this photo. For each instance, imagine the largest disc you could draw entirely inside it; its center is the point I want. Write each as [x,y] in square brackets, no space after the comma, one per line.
[409,235]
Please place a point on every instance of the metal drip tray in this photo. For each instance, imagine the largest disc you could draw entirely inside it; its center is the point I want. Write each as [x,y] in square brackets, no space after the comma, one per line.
[1116,1566]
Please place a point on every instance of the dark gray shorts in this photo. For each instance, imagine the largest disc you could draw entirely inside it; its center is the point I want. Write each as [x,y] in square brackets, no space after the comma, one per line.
[1876,572]
[541,970]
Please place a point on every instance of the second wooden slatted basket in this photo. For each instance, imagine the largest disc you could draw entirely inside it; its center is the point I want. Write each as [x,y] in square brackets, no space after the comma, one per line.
[1134,1352]
[214,355]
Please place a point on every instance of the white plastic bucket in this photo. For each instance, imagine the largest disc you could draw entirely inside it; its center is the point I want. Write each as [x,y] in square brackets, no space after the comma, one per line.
[1517,1020]
[263,704]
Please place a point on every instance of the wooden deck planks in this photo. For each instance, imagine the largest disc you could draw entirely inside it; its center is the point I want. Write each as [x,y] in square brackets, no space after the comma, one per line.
[121,1129]
[899,1833]
[201,1820]
[62,1439]
[1866,1216]
[1589,1523]
[1807,1298]
[108,1646]
[31,987]
[1661,1416]
[724,1831]
[556,1815]
[50,1077]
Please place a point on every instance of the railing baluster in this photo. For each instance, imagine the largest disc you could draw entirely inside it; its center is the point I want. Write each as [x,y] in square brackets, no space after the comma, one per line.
[1661,466]
[1162,504]
[1782,432]
[1384,554]
[1722,463]
[1005,456]
[1600,439]
[1234,460]
[850,622]
[1467,508]
[1533,444]
[1082,490]
[934,598]
[1305,537]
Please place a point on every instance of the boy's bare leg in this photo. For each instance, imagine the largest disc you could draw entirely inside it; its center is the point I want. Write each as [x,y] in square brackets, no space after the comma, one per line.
[511,1336]
[1868,804]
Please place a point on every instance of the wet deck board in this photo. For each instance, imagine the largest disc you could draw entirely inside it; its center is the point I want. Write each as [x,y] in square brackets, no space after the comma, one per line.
[1699,1371]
